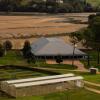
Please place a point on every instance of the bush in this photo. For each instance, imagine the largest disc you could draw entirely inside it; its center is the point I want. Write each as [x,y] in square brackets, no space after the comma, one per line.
[1,50]
[26,49]
[7,45]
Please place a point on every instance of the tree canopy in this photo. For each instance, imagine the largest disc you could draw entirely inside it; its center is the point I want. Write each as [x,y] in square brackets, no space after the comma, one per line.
[90,37]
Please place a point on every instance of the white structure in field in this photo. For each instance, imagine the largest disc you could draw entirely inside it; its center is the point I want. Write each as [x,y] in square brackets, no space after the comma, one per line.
[41,85]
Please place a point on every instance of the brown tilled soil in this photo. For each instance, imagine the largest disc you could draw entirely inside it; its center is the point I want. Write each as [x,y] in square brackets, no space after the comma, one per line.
[21,28]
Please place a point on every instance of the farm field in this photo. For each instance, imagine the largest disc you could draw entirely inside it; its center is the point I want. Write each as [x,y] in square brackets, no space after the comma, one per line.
[19,28]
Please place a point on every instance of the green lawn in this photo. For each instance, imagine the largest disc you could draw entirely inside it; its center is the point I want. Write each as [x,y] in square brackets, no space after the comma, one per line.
[7,73]
[87,76]
[58,66]
[13,58]
[77,94]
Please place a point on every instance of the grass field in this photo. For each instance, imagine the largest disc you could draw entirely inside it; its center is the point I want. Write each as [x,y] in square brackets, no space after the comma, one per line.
[13,58]
[7,73]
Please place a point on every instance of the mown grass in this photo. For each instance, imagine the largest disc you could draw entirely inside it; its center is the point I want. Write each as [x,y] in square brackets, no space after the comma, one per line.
[13,58]
[18,73]
[87,76]
[59,66]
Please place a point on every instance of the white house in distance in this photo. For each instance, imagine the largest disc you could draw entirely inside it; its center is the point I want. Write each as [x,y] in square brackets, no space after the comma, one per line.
[51,48]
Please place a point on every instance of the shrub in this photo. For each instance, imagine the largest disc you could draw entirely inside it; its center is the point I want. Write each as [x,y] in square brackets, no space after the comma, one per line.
[1,50]
[7,45]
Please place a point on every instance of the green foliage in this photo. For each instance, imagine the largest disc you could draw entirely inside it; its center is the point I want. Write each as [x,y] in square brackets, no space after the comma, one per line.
[90,37]
[1,50]
[59,59]
[41,6]
[26,49]
[7,45]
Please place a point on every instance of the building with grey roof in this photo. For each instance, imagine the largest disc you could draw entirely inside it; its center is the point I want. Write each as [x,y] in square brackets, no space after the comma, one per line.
[52,47]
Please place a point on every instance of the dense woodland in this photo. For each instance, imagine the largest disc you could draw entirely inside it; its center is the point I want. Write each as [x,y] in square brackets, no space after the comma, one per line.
[50,7]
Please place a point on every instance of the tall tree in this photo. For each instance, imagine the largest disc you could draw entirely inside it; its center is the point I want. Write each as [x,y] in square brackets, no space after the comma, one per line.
[26,49]
[90,37]
[1,50]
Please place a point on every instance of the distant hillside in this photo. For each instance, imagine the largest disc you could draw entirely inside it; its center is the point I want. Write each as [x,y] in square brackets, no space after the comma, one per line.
[94,2]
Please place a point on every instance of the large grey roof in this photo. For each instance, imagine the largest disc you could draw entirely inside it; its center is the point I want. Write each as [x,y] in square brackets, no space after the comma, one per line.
[53,46]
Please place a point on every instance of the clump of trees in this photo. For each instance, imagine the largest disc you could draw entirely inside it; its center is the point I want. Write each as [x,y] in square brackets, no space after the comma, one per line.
[7,45]
[27,52]
[90,37]
[4,47]
[1,50]
[26,49]
[41,6]
[59,59]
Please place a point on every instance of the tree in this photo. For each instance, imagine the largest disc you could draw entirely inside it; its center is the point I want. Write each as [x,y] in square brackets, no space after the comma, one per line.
[59,59]
[7,45]
[1,50]
[90,37]
[26,49]
[27,52]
